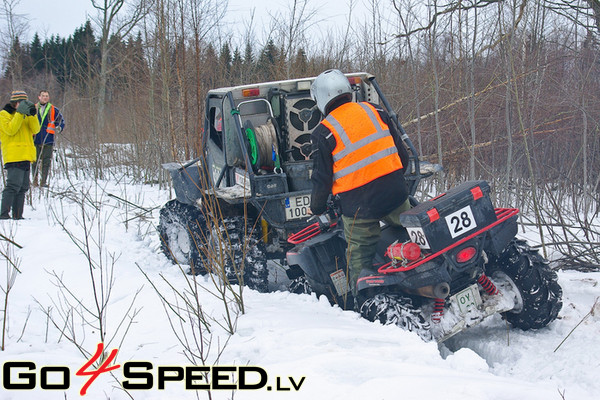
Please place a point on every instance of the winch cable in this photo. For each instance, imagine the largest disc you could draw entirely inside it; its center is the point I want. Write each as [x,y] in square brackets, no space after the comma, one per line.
[263,146]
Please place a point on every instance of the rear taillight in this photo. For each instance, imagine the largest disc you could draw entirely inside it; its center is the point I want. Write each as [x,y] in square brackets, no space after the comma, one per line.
[251,92]
[466,254]
[405,251]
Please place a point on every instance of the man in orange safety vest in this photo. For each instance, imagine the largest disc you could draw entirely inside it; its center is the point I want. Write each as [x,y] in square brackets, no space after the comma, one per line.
[358,156]
[51,123]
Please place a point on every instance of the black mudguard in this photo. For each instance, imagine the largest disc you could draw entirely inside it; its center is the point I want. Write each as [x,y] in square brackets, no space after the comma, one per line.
[499,237]
[319,257]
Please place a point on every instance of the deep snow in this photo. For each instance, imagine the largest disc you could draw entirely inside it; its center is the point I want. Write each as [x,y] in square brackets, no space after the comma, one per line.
[340,355]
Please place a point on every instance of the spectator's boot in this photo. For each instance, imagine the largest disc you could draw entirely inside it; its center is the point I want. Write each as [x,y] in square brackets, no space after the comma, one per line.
[18,206]
[44,182]
[7,200]
[17,212]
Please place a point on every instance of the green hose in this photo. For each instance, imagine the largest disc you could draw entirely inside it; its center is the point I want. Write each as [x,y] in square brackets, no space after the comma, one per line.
[253,147]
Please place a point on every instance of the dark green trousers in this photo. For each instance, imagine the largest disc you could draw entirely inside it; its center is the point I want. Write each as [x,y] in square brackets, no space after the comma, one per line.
[362,236]
[43,162]
[13,195]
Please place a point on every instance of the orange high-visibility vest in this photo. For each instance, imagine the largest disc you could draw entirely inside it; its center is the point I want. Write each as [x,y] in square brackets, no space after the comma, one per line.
[365,149]
[51,127]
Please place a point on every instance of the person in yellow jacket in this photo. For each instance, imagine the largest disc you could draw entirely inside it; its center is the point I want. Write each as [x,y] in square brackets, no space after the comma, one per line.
[18,124]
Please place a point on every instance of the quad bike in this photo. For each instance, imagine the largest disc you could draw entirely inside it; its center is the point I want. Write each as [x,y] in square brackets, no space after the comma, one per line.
[455,262]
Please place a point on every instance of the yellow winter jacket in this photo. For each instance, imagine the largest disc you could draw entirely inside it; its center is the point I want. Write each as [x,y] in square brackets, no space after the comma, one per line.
[16,135]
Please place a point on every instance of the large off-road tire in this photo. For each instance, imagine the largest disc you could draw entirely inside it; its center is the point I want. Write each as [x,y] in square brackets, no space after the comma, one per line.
[237,247]
[539,294]
[393,309]
[181,228]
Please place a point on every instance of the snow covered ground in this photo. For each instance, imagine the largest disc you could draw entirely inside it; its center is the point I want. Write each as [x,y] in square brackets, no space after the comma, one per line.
[290,337]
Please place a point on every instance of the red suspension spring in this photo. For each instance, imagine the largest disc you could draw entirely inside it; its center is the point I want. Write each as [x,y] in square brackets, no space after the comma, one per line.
[438,310]
[487,285]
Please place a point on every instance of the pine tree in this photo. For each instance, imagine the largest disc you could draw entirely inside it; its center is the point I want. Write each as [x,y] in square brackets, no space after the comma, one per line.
[237,65]
[248,63]
[15,65]
[137,66]
[37,54]
[211,63]
[300,66]
[55,58]
[83,55]
[268,61]
[225,62]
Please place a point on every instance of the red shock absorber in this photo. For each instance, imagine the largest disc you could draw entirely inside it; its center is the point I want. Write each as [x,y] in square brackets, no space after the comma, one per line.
[487,285]
[438,310]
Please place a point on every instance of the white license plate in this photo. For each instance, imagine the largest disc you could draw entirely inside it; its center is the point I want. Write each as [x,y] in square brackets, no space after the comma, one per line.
[467,299]
[297,207]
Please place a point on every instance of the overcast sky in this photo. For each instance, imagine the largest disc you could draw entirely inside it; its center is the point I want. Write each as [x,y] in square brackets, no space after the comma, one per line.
[62,17]
[55,17]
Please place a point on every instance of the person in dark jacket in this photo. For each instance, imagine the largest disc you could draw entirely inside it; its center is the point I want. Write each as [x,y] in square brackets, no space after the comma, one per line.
[18,124]
[52,123]
[358,156]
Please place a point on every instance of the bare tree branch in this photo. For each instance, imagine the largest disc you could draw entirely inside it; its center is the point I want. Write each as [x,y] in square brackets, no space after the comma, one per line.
[449,8]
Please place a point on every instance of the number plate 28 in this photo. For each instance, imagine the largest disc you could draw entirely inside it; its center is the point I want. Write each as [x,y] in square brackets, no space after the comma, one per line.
[417,235]
[461,221]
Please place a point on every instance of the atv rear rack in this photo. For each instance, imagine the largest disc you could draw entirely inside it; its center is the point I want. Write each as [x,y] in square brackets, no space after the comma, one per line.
[502,214]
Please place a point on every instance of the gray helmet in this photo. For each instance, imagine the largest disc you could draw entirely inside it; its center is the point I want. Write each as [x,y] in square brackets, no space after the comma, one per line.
[328,86]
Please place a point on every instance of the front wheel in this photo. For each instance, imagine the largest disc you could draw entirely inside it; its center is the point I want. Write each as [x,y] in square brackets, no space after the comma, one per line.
[539,294]
[181,229]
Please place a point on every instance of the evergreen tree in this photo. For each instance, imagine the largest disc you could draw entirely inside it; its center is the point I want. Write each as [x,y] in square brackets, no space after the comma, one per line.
[117,61]
[136,66]
[37,54]
[55,58]
[268,61]
[248,63]
[83,55]
[211,62]
[225,60]
[237,65]
[300,66]
[17,62]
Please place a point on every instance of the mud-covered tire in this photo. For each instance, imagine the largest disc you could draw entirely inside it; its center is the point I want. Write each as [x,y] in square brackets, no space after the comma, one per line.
[537,285]
[393,309]
[300,285]
[181,230]
[238,248]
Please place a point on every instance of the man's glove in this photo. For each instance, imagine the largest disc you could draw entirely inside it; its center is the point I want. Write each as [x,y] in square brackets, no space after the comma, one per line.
[26,108]
[32,110]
